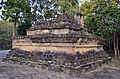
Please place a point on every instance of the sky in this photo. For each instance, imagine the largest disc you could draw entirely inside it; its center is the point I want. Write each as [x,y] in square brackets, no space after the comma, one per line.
[0,14]
[0,10]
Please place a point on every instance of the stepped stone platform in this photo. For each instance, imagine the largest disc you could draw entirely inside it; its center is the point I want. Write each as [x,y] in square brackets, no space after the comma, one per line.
[64,33]
[62,44]
[60,62]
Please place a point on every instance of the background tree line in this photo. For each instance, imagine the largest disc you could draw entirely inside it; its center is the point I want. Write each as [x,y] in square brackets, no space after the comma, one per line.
[103,19]
[5,34]
[101,16]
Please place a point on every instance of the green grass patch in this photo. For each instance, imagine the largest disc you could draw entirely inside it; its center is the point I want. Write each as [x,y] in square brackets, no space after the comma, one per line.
[4,49]
[116,59]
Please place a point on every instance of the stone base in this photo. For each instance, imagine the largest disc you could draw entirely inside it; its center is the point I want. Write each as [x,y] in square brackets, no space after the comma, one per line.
[57,61]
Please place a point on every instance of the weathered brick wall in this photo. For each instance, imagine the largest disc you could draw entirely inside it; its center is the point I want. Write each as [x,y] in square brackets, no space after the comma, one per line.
[59,61]
[30,32]
[55,31]
[45,44]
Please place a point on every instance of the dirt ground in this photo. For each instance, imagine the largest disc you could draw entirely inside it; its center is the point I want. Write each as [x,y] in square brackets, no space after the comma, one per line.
[13,71]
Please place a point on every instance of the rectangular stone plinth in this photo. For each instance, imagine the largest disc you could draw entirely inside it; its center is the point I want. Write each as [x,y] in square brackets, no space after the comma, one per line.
[67,43]
[69,48]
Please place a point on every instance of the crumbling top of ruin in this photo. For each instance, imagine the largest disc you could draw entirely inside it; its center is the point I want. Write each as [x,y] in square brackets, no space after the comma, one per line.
[62,26]
[64,21]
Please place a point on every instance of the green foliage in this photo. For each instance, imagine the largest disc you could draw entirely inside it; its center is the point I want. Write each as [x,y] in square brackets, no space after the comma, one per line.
[5,34]
[48,9]
[21,29]
[42,10]
[102,17]
[67,6]
[105,22]
[95,6]
[15,9]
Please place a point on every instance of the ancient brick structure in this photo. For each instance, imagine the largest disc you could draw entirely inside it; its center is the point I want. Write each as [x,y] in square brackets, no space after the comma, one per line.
[61,34]
[61,44]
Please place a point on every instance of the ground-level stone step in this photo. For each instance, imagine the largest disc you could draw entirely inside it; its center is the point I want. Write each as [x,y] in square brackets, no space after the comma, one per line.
[62,68]
[59,62]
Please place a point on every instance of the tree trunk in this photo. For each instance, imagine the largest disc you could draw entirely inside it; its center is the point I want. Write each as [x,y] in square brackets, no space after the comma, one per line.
[14,28]
[115,46]
[109,45]
[118,47]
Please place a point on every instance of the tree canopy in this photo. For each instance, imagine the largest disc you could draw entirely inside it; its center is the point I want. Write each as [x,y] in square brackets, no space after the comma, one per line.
[15,10]
[102,18]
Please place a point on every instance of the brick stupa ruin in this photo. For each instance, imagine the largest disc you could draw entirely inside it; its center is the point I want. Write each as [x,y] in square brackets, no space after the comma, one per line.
[61,44]
[62,34]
